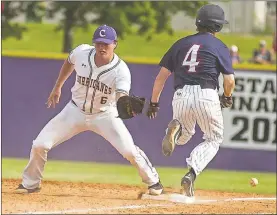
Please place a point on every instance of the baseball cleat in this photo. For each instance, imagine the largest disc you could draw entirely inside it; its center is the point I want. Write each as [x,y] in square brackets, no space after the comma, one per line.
[173,133]
[156,189]
[22,190]
[187,184]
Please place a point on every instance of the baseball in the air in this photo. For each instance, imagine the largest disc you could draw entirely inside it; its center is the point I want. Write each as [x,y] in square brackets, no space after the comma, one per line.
[254,182]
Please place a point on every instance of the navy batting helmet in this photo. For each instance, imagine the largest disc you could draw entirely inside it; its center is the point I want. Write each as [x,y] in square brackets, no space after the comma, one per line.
[211,17]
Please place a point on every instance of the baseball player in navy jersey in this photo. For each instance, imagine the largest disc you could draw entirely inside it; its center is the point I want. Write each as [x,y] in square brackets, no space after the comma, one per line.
[101,79]
[196,61]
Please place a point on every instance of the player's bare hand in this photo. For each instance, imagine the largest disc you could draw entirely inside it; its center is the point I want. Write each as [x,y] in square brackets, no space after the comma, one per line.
[54,98]
[152,110]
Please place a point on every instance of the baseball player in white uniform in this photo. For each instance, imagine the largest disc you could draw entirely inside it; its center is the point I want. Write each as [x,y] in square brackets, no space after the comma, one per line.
[196,62]
[101,79]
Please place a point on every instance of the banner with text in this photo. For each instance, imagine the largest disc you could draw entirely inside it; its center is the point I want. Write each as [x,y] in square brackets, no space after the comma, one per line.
[251,122]
[246,131]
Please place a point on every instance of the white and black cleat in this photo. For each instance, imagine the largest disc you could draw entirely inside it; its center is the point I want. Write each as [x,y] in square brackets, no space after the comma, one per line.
[22,190]
[156,189]
[187,184]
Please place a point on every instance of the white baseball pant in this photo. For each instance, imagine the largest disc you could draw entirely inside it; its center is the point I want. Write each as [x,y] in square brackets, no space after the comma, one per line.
[71,121]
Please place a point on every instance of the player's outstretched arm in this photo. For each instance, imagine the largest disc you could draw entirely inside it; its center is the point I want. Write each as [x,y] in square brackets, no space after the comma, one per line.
[157,90]
[55,94]
[228,84]
[159,84]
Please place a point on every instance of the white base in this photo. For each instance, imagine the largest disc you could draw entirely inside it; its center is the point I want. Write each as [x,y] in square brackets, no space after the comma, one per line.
[172,197]
[179,198]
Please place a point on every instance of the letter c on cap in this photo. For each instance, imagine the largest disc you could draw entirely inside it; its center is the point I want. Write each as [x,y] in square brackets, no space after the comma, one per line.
[102,33]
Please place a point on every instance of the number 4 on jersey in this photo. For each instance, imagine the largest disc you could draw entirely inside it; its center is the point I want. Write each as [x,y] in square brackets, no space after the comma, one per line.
[193,56]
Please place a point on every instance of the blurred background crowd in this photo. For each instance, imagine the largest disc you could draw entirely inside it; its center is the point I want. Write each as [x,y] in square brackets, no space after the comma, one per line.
[146,29]
[261,55]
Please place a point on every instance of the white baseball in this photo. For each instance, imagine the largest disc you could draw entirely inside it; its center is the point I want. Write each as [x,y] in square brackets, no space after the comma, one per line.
[254,182]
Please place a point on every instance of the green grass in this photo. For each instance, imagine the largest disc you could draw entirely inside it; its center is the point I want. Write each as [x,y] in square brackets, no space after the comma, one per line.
[126,174]
[42,38]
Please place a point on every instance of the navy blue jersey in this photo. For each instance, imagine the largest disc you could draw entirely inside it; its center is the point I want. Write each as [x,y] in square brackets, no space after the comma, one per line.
[198,60]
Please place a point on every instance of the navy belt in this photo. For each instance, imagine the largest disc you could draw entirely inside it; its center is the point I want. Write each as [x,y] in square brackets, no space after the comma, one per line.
[74,103]
[203,86]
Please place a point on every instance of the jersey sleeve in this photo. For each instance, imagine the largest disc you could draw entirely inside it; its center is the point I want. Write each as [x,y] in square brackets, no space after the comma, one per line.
[75,52]
[225,61]
[167,60]
[123,79]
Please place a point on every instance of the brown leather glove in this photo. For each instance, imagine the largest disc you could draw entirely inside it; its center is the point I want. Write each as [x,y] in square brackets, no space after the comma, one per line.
[129,106]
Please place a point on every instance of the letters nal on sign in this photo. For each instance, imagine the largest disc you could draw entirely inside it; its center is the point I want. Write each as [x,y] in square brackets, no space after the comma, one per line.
[251,122]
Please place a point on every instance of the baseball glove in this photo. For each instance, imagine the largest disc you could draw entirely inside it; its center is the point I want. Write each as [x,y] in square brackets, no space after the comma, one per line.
[129,106]
[226,102]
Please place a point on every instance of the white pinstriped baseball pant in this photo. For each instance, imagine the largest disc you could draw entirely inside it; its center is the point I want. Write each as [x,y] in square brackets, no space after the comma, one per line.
[193,105]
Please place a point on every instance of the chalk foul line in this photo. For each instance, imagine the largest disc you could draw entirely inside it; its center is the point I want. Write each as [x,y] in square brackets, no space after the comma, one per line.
[172,198]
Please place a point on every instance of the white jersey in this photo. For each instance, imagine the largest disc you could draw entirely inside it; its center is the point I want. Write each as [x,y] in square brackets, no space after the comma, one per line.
[95,87]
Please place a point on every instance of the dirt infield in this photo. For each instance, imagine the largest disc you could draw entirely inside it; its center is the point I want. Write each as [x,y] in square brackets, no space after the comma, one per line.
[87,198]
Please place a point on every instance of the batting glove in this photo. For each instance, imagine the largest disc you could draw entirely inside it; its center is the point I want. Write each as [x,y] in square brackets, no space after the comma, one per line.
[153,110]
[225,101]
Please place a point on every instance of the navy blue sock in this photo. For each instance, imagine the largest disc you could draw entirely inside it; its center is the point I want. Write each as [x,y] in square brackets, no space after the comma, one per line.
[192,172]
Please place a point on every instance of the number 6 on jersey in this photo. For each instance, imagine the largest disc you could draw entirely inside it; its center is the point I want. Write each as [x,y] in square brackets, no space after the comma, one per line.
[192,63]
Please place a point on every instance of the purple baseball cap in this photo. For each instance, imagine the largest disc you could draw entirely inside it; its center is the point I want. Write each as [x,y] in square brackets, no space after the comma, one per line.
[104,34]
